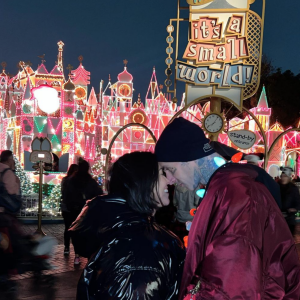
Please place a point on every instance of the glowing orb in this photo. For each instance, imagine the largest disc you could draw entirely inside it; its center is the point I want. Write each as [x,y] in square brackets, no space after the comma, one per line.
[200,193]
[47,98]
[219,161]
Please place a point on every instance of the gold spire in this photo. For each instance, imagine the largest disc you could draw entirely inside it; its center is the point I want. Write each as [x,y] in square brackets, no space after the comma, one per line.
[125,62]
[60,45]
[70,68]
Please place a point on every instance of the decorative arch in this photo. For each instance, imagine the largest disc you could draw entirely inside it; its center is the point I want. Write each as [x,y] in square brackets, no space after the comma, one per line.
[116,136]
[205,98]
[276,141]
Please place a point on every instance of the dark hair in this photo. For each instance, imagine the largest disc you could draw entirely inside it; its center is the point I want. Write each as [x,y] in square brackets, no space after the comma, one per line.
[72,169]
[82,174]
[83,167]
[5,155]
[134,176]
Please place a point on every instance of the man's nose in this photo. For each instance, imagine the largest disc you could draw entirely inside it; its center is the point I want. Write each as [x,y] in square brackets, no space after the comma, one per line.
[170,177]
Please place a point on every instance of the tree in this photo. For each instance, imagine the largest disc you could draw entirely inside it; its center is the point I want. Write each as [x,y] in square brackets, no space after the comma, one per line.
[98,168]
[52,203]
[26,186]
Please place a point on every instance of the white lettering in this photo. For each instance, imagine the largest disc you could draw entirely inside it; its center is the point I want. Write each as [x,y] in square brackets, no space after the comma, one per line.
[238,77]
[225,76]
[222,54]
[192,50]
[204,53]
[205,32]
[215,75]
[216,32]
[236,26]
[242,47]
[187,73]
[202,76]
[232,42]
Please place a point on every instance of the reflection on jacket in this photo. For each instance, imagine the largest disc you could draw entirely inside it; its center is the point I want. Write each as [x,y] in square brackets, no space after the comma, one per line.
[135,258]
[240,246]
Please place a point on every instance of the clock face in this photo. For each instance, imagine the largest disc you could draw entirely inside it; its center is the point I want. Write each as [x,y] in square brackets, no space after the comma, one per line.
[124,90]
[213,123]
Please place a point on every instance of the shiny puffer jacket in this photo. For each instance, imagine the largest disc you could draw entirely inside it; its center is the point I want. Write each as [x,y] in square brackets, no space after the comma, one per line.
[131,257]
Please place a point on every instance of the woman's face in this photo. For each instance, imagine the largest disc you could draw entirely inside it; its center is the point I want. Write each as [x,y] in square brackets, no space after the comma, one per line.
[161,193]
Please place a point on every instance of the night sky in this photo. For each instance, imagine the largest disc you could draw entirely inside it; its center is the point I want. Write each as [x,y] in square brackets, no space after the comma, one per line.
[107,32]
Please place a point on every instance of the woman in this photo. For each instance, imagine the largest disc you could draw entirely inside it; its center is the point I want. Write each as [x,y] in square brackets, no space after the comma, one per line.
[290,197]
[79,188]
[68,220]
[132,257]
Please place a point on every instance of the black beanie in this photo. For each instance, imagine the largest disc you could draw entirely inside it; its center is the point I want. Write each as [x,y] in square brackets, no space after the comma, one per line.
[182,141]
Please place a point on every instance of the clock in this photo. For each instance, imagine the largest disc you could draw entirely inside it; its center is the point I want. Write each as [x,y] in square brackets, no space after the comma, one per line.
[138,116]
[80,92]
[124,90]
[213,123]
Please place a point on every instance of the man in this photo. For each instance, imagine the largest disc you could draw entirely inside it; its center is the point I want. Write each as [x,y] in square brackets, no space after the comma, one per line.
[7,176]
[290,197]
[10,203]
[239,245]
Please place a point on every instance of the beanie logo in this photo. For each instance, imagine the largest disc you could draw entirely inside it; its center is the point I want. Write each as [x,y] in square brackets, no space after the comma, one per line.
[207,147]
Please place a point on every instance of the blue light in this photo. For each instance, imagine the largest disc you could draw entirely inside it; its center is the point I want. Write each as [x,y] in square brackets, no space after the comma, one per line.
[219,161]
[188,225]
[200,193]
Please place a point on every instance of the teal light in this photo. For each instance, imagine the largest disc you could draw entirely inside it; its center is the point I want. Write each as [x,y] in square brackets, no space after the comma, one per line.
[200,193]
[219,161]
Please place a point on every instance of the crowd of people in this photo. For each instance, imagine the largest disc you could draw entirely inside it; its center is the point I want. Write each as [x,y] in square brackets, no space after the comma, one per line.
[239,237]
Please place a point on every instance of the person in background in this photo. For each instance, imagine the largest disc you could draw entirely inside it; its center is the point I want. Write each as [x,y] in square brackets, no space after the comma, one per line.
[290,197]
[131,256]
[79,188]
[239,246]
[10,203]
[255,159]
[7,168]
[66,214]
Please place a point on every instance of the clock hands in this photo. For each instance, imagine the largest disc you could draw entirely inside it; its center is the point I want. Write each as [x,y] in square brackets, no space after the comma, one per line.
[213,122]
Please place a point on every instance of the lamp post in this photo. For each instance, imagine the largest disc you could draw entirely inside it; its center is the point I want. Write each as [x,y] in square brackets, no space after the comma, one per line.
[41,154]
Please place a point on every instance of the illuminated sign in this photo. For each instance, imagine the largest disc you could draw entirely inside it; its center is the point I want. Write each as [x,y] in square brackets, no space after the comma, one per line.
[223,54]
[243,139]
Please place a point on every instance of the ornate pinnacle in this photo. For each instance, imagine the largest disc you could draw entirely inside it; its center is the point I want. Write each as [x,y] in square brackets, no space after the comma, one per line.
[125,62]
[42,57]
[139,102]
[161,87]
[70,67]
[3,64]
[80,58]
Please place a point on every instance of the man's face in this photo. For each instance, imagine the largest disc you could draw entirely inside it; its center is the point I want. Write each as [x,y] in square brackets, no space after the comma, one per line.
[181,173]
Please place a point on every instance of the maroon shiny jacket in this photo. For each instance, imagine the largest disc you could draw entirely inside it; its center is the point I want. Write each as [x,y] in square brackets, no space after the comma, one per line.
[240,246]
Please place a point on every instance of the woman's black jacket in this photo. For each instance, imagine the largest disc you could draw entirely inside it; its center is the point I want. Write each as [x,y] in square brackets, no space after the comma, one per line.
[131,257]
